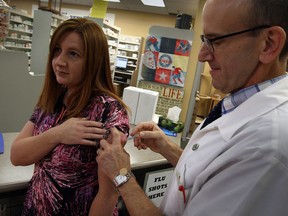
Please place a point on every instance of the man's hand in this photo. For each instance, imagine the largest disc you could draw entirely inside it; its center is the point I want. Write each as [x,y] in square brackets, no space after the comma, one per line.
[112,157]
[148,134]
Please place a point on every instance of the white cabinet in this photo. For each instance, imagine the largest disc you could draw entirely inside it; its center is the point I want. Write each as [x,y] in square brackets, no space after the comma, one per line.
[43,26]
[128,58]
[112,33]
[20,32]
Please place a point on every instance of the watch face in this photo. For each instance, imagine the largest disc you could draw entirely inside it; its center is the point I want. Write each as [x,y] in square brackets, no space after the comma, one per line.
[120,179]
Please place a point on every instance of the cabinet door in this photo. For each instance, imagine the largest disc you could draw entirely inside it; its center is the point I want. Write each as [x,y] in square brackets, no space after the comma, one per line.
[40,41]
[44,24]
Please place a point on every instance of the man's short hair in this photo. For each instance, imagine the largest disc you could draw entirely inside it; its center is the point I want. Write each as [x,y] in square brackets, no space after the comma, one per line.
[269,12]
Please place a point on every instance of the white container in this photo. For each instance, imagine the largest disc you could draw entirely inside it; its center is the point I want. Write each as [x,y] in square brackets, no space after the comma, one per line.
[146,105]
[130,98]
[142,103]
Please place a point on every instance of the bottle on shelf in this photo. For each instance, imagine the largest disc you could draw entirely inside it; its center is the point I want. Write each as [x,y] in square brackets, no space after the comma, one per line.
[112,33]
[20,32]
[4,21]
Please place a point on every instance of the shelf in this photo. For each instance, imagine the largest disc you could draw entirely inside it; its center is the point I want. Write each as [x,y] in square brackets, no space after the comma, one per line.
[130,47]
[129,42]
[17,30]
[112,34]
[112,27]
[124,72]
[18,39]
[121,82]
[112,45]
[129,50]
[17,47]
[19,22]
[134,66]
[127,57]
[20,31]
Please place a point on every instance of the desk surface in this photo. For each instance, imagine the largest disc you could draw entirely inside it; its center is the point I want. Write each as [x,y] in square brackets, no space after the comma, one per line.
[17,177]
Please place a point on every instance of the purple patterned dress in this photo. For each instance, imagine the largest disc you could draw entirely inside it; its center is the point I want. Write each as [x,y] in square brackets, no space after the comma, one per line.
[65,181]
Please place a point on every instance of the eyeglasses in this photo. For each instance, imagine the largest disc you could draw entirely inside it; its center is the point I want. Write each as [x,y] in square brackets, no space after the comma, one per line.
[209,42]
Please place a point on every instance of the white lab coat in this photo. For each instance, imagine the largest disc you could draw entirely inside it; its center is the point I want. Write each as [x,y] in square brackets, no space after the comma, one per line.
[241,165]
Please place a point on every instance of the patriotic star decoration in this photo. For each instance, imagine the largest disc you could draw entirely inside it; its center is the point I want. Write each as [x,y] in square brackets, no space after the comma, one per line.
[163,76]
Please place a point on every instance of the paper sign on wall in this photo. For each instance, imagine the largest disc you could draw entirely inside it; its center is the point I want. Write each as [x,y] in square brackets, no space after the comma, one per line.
[99,9]
[166,60]
[156,183]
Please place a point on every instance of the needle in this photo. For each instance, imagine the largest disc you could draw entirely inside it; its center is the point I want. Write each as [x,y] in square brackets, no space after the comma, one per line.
[132,137]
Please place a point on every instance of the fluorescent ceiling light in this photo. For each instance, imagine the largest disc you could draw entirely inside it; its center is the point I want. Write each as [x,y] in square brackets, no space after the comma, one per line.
[112,0]
[155,3]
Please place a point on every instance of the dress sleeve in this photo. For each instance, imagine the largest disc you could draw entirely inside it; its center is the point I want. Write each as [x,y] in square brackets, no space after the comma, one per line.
[115,115]
[35,115]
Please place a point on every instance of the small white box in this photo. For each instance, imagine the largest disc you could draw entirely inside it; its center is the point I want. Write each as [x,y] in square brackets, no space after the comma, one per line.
[142,103]
[146,105]
[130,98]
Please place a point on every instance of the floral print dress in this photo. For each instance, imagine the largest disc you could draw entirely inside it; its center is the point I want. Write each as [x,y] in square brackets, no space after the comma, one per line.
[65,181]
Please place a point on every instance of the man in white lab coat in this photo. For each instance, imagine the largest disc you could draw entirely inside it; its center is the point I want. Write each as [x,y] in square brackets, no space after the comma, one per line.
[238,164]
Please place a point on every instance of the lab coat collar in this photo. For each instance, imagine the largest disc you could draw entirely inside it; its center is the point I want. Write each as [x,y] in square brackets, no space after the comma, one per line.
[255,106]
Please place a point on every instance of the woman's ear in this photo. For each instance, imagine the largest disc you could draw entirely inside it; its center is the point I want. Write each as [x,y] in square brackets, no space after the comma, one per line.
[275,38]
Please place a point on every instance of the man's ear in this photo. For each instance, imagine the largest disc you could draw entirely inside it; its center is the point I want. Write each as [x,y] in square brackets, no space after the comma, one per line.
[274,42]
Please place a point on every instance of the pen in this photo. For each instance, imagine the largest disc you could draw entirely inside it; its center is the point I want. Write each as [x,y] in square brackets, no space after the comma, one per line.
[181,188]
[181,184]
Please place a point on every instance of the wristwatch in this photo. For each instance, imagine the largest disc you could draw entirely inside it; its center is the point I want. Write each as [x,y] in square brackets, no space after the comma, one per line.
[123,176]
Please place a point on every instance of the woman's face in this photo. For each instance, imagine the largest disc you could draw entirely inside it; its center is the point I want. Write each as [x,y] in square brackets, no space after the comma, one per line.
[68,60]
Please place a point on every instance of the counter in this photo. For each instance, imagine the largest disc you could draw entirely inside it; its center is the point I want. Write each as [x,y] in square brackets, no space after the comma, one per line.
[17,177]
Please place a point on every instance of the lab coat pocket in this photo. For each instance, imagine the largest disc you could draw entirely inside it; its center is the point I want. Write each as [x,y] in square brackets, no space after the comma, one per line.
[183,189]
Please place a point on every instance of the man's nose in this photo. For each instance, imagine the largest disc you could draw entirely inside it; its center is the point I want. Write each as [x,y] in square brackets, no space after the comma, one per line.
[205,54]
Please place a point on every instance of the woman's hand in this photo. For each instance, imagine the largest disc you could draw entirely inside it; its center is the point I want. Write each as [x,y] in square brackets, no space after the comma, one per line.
[81,131]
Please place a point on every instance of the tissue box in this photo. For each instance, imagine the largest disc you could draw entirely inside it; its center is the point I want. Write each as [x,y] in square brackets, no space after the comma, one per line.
[142,103]
[170,125]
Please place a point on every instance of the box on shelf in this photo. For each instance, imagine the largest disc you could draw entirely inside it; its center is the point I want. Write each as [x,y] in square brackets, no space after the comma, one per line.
[142,103]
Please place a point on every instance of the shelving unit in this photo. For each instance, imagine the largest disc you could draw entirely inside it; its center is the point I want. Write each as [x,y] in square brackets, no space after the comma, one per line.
[44,24]
[20,32]
[55,21]
[129,48]
[112,33]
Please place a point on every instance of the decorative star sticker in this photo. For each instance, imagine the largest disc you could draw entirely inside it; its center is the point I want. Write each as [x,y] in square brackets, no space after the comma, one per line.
[163,76]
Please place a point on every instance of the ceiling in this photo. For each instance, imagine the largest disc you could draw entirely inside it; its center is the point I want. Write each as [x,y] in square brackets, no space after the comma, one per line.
[172,6]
